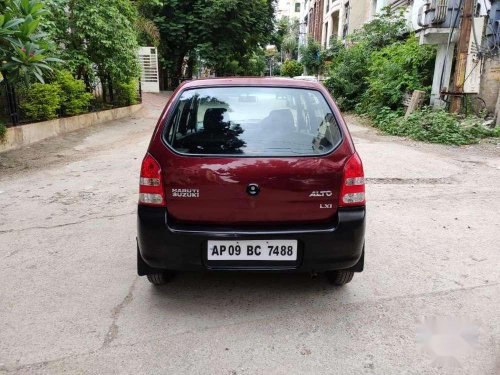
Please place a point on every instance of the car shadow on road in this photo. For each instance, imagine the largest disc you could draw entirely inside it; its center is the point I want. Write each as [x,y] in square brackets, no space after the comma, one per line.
[244,292]
[243,280]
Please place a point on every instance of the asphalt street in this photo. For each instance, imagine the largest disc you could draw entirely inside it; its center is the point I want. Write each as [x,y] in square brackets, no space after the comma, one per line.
[71,302]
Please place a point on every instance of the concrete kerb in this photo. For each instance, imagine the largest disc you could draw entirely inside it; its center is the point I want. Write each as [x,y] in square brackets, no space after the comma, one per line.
[23,135]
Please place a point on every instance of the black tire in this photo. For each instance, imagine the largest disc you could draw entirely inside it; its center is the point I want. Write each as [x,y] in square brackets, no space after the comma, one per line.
[339,278]
[160,278]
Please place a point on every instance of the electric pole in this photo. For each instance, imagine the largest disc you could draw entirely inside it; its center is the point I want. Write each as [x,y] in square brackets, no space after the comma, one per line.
[461,56]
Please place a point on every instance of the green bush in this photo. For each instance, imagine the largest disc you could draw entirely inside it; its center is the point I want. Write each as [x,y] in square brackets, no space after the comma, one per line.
[347,78]
[3,131]
[335,47]
[311,56]
[388,121]
[41,101]
[254,64]
[385,28]
[350,67]
[75,100]
[126,93]
[394,70]
[434,126]
[291,68]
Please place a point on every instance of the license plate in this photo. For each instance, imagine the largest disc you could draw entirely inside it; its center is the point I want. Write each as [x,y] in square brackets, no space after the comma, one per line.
[270,250]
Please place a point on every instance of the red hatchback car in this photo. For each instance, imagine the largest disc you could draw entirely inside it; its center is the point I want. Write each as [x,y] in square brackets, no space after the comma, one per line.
[251,174]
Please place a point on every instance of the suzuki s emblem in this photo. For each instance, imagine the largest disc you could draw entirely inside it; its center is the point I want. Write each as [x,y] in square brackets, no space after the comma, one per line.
[253,189]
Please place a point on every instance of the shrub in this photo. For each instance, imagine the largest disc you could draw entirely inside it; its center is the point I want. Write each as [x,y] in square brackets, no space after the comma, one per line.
[254,65]
[3,131]
[474,126]
[435,126]
[388,121]
[335,47]
[41,101]
[126,93]
[311,56]
[75,100]
[292,68]
[394,70]
[347,78]
[386,27]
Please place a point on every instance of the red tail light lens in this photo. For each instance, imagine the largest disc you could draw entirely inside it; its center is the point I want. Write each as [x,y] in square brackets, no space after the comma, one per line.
[151,191]
[352,192]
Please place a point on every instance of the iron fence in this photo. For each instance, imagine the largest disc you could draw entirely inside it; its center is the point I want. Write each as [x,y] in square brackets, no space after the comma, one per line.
[9,111]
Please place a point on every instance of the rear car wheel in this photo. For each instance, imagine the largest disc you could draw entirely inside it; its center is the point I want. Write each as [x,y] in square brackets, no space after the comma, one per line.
[339,278]
[160,278]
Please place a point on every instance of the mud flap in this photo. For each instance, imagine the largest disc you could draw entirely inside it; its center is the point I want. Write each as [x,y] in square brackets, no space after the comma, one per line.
[358,267]
[143,268]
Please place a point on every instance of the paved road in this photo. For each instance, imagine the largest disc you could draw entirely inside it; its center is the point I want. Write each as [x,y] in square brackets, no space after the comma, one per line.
[70,301]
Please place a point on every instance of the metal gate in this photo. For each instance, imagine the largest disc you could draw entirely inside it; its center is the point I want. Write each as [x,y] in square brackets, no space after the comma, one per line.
[150,80]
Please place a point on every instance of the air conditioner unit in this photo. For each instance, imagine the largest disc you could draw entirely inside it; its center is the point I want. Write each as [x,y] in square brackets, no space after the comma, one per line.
[439,14]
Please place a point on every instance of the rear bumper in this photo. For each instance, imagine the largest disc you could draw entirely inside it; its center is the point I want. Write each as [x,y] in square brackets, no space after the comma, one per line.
[163,246]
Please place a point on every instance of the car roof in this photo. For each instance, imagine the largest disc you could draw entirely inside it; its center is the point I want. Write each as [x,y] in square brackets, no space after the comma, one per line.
[252,81]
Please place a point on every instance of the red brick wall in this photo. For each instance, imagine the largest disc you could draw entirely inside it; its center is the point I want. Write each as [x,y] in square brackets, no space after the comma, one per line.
[316,20]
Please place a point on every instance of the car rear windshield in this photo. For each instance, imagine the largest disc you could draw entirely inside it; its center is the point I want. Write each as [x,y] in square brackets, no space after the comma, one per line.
[253,121]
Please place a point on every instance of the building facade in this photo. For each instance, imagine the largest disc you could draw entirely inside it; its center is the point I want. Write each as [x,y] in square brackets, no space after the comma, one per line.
[441,29]
[326,20]
[332,25]
[313,18]
[290,9]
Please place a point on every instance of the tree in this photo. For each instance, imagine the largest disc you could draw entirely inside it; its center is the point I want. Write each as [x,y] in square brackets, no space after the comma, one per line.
[148,32]
[225,34]
[289,46]
[24,50]
[286,37]
[290,42]
[98,39]
[178,22]
[233,29]
[60,26]
[280,31]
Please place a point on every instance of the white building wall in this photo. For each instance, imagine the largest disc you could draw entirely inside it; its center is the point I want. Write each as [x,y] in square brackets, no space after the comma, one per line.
[474,65]
[359,14]
[305,7]
[376,7]
[287,8]
[331,27]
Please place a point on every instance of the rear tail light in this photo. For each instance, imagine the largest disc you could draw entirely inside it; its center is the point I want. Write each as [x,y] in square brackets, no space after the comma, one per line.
[151,191]
[352,192]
